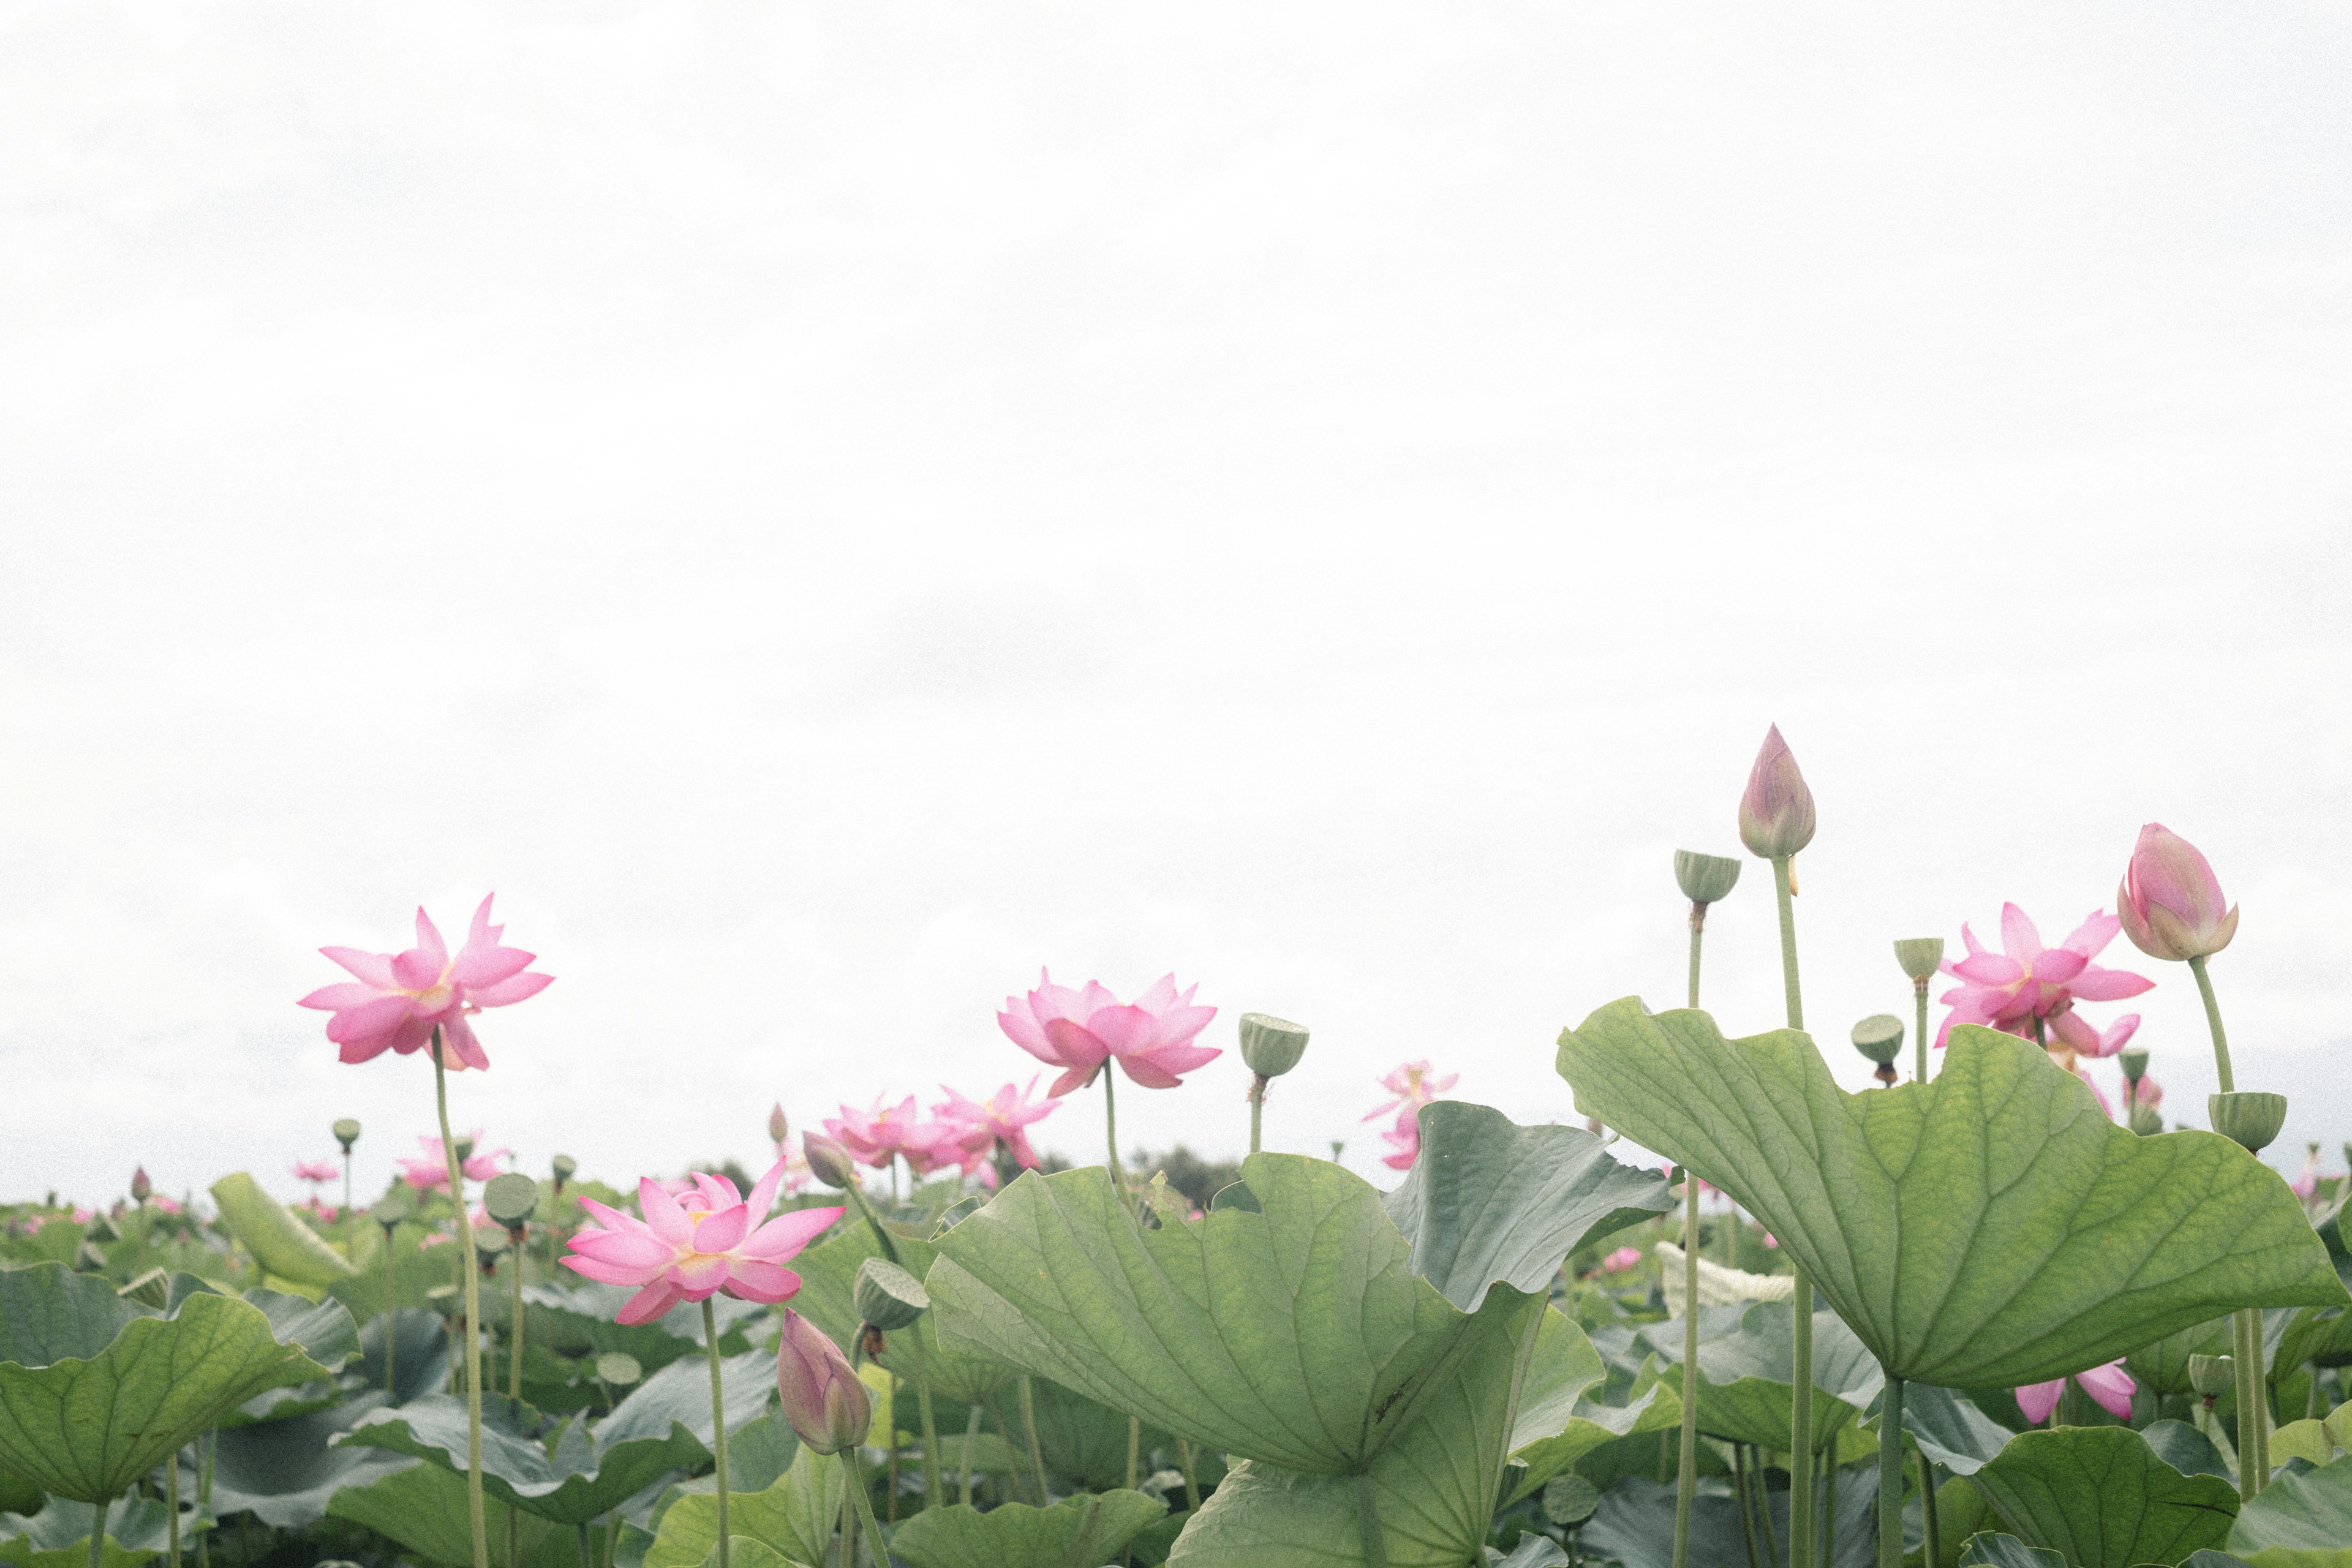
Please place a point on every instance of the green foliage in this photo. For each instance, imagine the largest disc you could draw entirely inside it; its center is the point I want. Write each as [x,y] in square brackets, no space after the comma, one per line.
[828,1283]
[1076,1532]
[1992,1549]
[285,1247]
[286,1471]
[1748,1393]
[793,1516]
[2299,1521]
[423,1508]
[2101,1496]
[1559,1422]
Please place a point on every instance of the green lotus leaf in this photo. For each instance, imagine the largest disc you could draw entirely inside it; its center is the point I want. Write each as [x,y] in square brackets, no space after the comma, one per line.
[325,1331]
[2299,1521]
[793,1515]
[679,1395]
[577,1319]
[2209,1558]
[47,1314]
[748,1551]
[2161,1367]
[85,1425]
[420,1358]
[1636,1525]
[1987,1228]
[1076,1532]
[1951,1431]
[1217,1329]
[1489,1200]
[1992,1549]
[1084,1441]
[423,1508]
[2101,1498]
[828,1281]
[286,1471]
[1534,1552]
[58,1535]
[2187,1449]
[1557,1423]
[286,1248]
[1747,1392]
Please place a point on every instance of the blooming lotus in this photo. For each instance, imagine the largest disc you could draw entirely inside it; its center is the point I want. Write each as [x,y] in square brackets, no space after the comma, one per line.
[398,999]
[2170,903]
[688,1249]
[316,1171]
[1411,1086]
[879,1136]
[1404,1140]
[1080,1031]
[1001,1120]
[2026,980]
[2110,1384]
[1776,810]
[429,1172]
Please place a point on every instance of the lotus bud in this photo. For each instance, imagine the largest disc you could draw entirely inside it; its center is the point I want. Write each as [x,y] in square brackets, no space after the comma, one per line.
[2211,1376]
[821,1396]
[511,1199]
[142,1189]
[828,1162]
[1569,1500]
[2133,1061]
[1271,1046]
[1776,812]
[347,1132]
[1919,956]
[2170,903]
[2247,1118]
[565,1168]
[888,1297]
[1705,879]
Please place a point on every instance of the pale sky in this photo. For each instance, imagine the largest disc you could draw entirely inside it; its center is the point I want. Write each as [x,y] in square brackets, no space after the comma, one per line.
[826,510]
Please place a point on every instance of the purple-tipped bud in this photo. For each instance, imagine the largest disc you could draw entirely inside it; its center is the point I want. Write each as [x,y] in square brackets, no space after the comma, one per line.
[828,1162]
[1776,813]
[778,1128]
[822,1397]
[2170,903]
[140,1187]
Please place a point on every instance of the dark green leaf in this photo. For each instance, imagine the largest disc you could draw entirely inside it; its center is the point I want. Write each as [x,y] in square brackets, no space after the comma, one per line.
[2101,1496]
[1077,1532]
[2299,1521]
[1951,1431]
[285,1471]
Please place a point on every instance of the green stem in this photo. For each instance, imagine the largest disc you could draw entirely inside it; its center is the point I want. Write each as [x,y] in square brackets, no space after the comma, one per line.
[1258,1109]
[1193,1479]
[347,1183]
[1746,1504]
[1368,1524]
[204,1498]
[474,1510]
[1828,1504]
[1890,1475]
[1697,929]
[1036,1450]
[717,1418]
[1919,1042]
[971,1441]
[848,1523]
[391,1322]
[853,1476]
[172,1498]
[881,1237]
[1927,1520]
[2214,1023]
[933,1494]
[1764,1504]
[1784,892]
[98,1534]
[612,1534]
[514,1329]
[1110,1135]
[1134,1448]
[1800,1414]
[1687,1481]
[585,1561]
[2247,1329]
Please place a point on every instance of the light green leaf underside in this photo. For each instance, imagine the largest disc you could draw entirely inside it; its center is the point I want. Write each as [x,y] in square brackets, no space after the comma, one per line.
[828,1278]
[2161,1367]
[1077,1532]
[1556,1424]
[2102,1497]
[278,1240]
[1951,1431]
[796,1516]
[2299,1521]
[1750,1393]
[286,1472]
[423,1509]
[1989,1227]
[1992,1549]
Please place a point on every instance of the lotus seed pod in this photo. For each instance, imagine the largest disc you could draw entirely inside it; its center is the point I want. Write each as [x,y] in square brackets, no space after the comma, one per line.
[1879,1037]
[1705,879]
[2248,1119]
[887,1296]
[565,1168]
[511,1199]
[1569,1500]
[1271,1046]
[347,1132]
[393,1208]
[489,1241]
[779,1128]
[2211,1376]
[828,1162]
[2133,1061]
[1919,956]
[619,1368]
[463,1144]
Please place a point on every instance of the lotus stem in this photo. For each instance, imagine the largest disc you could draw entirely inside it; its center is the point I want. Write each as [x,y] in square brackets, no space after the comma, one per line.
[971,1441]
[585,1560]
[1110,1135]
[514,1329]
[347,1179]
[890,1486]
[1829,1503]
[1890,1475]
[473,1273]
[933,1493]
[1036,1450]
[204,1497]
[1927,1520]
[1919,1041]
[1764,1505]
[1746,1503]
[171,1501]
[2246,1327]
[1368,1523]
[1134,1448]
[881,1237]
[1193,1481]
[612,1534]
[848,1523]
[717,1418]
[2214,1023]
[98,1534]
[1257,1108]
[853,1481]
[1800,1414]
[391,1321]
[1687,1481]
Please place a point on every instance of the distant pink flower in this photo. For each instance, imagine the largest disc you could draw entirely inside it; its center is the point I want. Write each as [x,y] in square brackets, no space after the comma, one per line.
[2170,903]
[326,1212]
[1004,1118]
[399,998]
[1772,1240]
[2305,1185]
[1079,1031]
[1622,1259]
[1404,1140]
[879,1136]
[82,1216]
[2150,1093]
[316,1171]
[168,1204]
[2110,1384]
[686,1249]
[429,1172]
[1412,1087]
[2008,990]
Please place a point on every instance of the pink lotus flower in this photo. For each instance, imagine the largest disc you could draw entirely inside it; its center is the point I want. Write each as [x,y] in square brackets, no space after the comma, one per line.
[1412,1087]
[1079,1031]
[2008,990]
[879,1136]
[829,1408]
[1404,1140]
[429,1172]
[2305,1185]
[326,1212]
[399,998]
[1622,1259]
[2149,1093]
[2110,1384]
[168,1204]
[82,1216]
[1776,811]
[1004,1118]
[686,1249]
[316,1171]
[2170,903]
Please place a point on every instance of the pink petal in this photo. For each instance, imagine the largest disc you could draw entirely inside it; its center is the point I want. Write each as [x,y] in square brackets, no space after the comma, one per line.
[1076,1077]
[2118,1035]
[663,1215]
[2057,965]
[2019,939]
[380,1016]
[648,1304]
[2096,984]
[698,1275]
[338,997]
[1021,1027]
[2111,1386]
[366,1050]
[784,1236]
[621,1247]
[605,1273]
[753,1280]
[2092,934]
[1989,969]
[458,1041]
[2038,1399]
[507,993]
[1147,1073]
[477,970]
[480,934]
[416,970]
[1159,996]
[614,1219]
[1179,1025]
[1121,1030]
[1180,1059]
[720,1232]
[371,968]
[763,1191]
[2076,1033]
[1074,1044]
[428,939]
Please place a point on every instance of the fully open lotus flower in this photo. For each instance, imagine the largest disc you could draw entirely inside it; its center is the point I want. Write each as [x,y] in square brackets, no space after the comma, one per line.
[1081,1030]
[2025,981]
[1776,810]
[2170,903]
[879,1136]
[1004,1118]
[2110,1384]
[429,1172]
[687,1247]
[1410,1086]
[316,1171]
[398,999]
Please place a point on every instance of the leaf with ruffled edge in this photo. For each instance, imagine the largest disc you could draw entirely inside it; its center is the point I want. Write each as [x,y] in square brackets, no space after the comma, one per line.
[1080,1529]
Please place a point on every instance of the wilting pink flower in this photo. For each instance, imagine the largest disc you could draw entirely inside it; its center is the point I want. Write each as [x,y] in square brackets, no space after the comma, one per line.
[2008,990]
[687,1248]
[429,1171]
[1002,1117]
[1411,1087]
[1776,811]
[2170,903]
[2110,1384]
[1404,1140]
[399,998]
[1081,1030]
[316,1171]
[1622,1259]
[827,1405]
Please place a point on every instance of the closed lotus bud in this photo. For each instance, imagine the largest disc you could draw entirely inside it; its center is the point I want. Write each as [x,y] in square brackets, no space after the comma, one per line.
[1705,879]
[1776,812]
[2133,1061]
[142,1189]
[2212,1375]
[888,1297]
[1919,956]
[778,1127]
[828,1162]
[2170,903]
[511,1198]
[821,1396]
[347,1132]
[1271,1046]
[1879,1037]
[2247,1118]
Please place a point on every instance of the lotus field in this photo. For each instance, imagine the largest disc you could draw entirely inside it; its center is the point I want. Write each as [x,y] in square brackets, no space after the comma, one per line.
[1988,1312]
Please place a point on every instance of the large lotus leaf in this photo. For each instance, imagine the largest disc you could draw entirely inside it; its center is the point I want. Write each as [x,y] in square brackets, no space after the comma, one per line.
[420,1353]
[1219,1330]
[758,1454]
[1533,1552]
[1748,1393]
[1489,1200]
[794,1515]
[749,1551]
[2161,1367]
[2101,1498]
[1990,1228]
[85,1427]
[47,1314]
[137,1530]
[416,1269]
[1635,1524]
[577,1319]
[1557,1423]
[2185,1449]
[1084,1441]
[1951,1431]
[423,1509]
[828,1279]
[2322,1334]
[325,1331]
[679,1395]
[284,1246]
[2299,1521]
[1992,1549]
[1432,1487]
[286,1471]
[1076,1532]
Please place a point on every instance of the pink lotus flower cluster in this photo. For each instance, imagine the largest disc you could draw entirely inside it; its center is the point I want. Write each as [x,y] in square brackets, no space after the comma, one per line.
[429,1171]
[397,1000]
[963,1132]
[691,1244]
[1081,1031]
[1410,1086]
[2025,982]
[2110,1384]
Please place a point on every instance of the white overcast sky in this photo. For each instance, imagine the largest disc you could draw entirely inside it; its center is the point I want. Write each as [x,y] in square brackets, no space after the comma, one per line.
[826,509]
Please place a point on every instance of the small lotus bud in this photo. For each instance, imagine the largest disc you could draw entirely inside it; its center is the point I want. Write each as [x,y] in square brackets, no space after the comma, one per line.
[2134,1060]
[1569,1500]
[565,1168]
[778,1127]
[1879,1037]
[511,1198]
[887,1296]
[2211,1376]
[619,1368]
[1776,812]
[347,1132]
[2248,1119]
[822,1397]
[828,1162]
[1705,879]
[142,1189]
[1919,956]
[2170,903]
[1271,1046]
